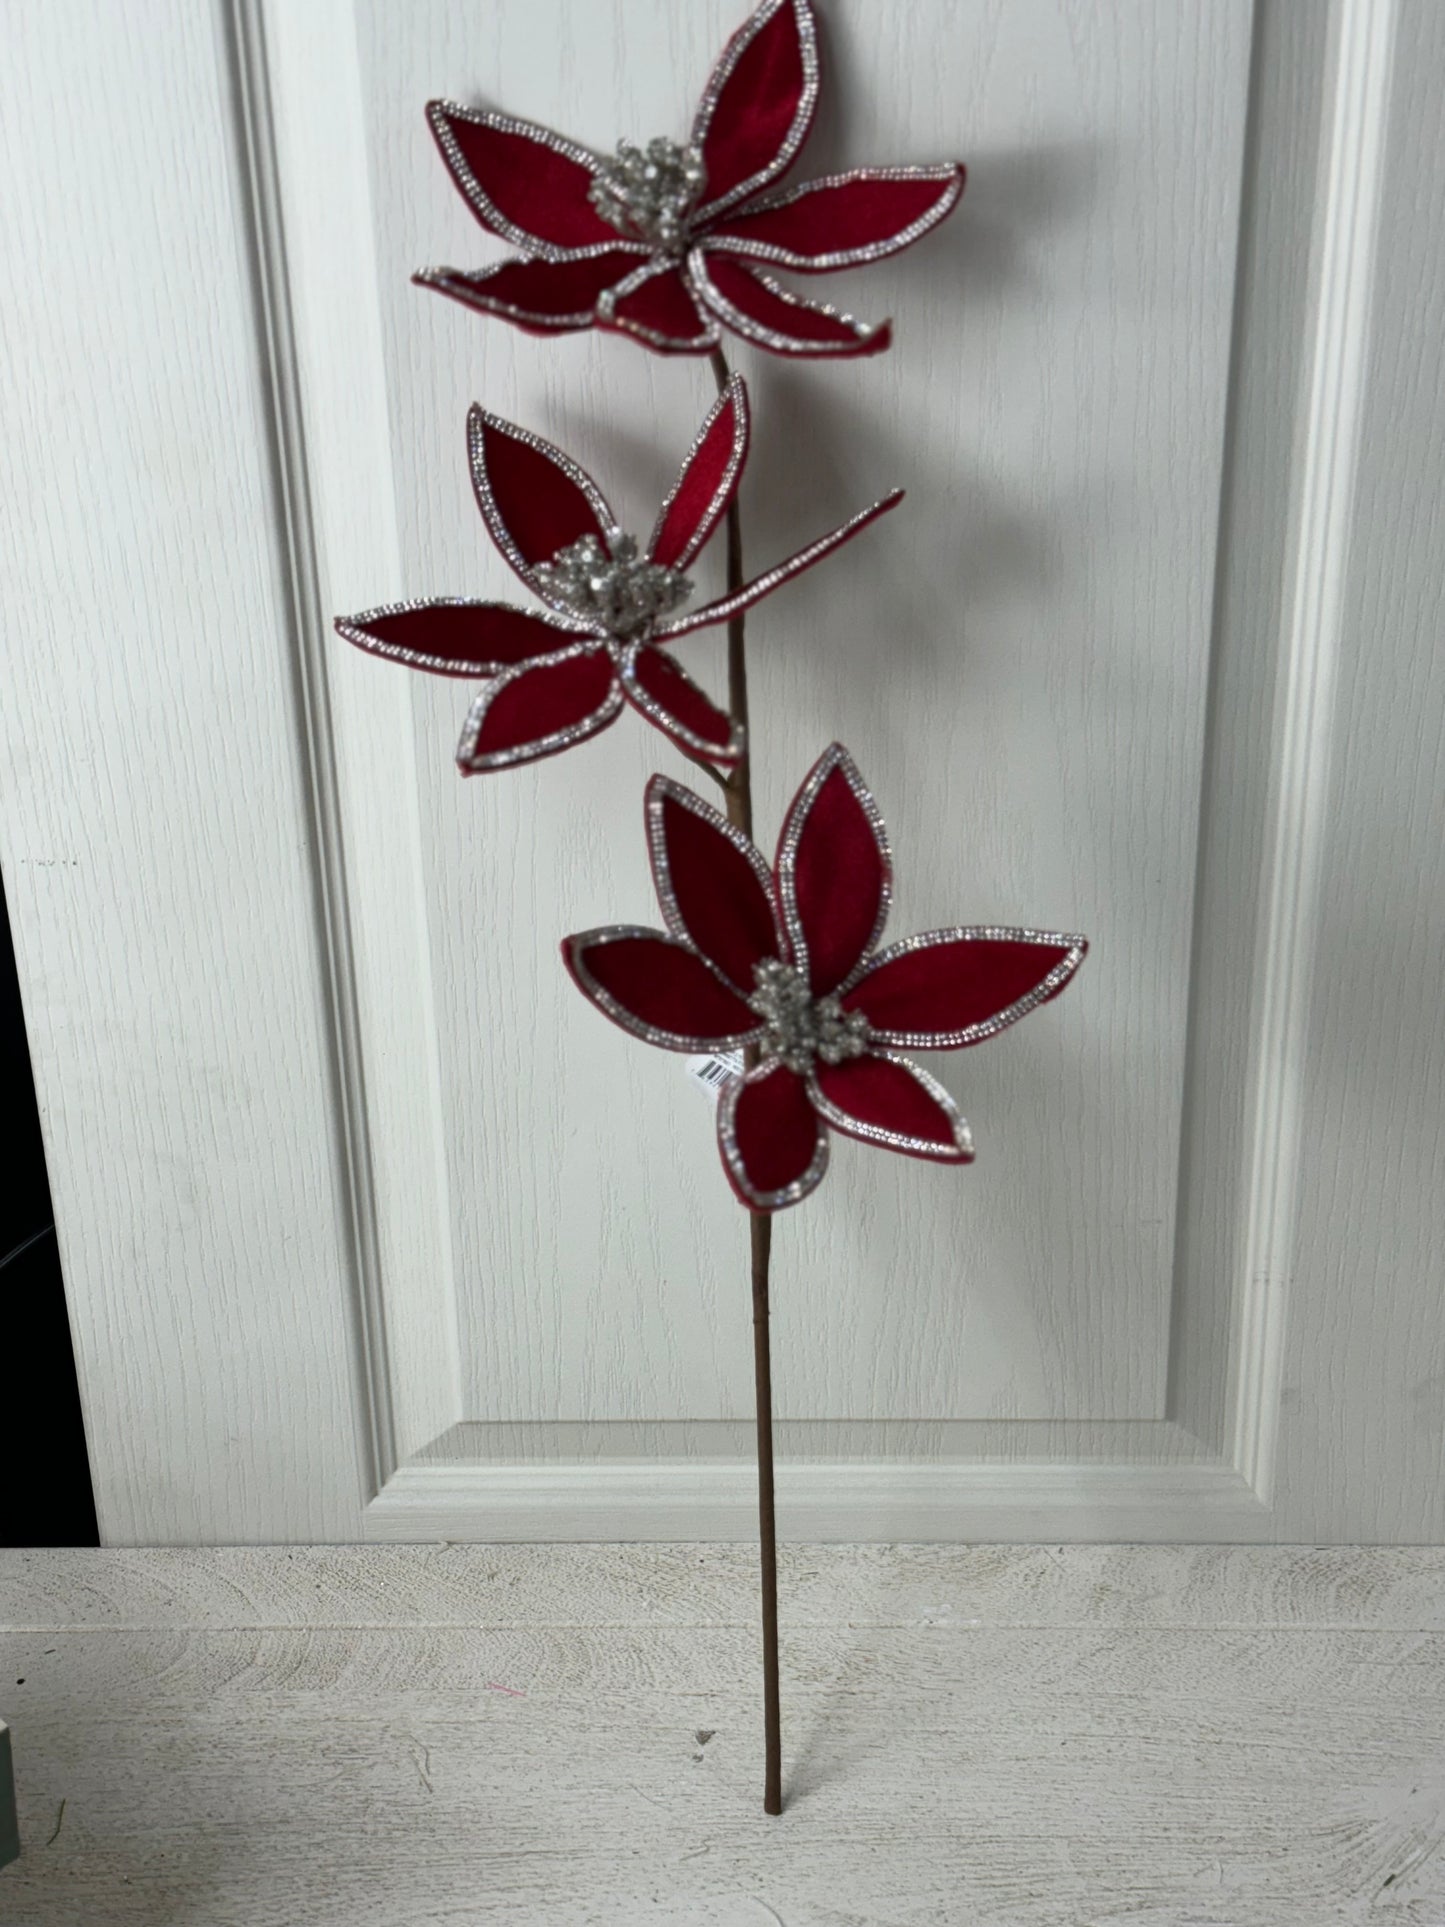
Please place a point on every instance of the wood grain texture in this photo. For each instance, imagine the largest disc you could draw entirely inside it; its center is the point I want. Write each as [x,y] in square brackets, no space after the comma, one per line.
[155,820]
[331,276]
[1088,639]
[1400,1589]
[1018,658]
[1002,1738]
[1372,1218]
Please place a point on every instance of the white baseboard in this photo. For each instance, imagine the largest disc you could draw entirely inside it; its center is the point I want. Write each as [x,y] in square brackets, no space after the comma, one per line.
[851,1503]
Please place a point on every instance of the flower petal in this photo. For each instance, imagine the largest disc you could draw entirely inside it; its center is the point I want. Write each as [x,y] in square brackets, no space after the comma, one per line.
[948,988]
[758,104]
[885,1100]
[708,482]
[774,1145]
[455,636]
[843,221]
[774,578]
[669,698]
[834,872]
[658,988]
[756,307]
[539,708]
[713,885]
[522,181]
[540,297]
[534,499]
[655,304]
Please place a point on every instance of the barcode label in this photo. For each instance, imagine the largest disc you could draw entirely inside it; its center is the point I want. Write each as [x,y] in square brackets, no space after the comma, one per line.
[713,1069]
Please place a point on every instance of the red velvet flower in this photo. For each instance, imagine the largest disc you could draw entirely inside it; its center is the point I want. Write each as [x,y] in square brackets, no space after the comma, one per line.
[559,676]
[670,245]
[787,962]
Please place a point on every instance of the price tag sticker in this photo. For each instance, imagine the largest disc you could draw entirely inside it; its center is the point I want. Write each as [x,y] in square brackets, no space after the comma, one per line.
[712,1069]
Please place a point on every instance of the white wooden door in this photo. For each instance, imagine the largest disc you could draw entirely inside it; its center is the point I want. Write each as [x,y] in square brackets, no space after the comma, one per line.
[370,1227]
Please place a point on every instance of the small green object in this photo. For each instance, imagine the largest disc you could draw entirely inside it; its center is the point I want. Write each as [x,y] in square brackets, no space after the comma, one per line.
[9,1831]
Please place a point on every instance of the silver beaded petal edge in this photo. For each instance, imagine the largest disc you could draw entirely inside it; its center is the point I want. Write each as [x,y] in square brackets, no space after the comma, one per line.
[750,250]
[663,718]
[478,422]
[662,790]
[698,343]
[471,762]
[735,395]
[357,629]
[439,112]
[835,757]
[712,298]
[802,119]
[1075,947]
[574,955]
[781,572]
[727,1137]
[960,1151]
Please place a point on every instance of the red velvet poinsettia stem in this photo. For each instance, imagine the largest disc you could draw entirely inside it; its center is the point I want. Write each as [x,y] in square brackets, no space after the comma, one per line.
[740,813]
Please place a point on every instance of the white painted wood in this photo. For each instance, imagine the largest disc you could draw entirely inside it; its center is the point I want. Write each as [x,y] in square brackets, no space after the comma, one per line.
[371,1229]
[1058,393]
[1352,167]
[339,437]
[1372,1208]
[887,1500]
[1398,1589]
[1003,1737]
[155,805]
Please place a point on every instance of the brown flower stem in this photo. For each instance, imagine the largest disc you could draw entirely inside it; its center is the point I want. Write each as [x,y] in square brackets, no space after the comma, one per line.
[724,783]
[739,788]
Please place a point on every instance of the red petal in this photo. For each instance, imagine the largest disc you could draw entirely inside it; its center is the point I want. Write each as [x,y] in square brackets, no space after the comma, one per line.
[521,181]
[453,636]
[843,221]
[833,870]
[673,703]
[540,297]
[535,500]
[774,1145]
[949,988]
[657,988]
[708,482]
[886,1100]
[714,887]
[760,311]
[758,104]
[774,578]
[655,304]
[539,708]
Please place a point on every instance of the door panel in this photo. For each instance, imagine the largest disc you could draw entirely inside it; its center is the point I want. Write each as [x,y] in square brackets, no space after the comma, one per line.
[1018,658]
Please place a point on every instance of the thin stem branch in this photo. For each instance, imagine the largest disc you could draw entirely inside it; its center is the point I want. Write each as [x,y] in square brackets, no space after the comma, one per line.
[724,783]
[739,790]
[762,1246]
[740,787]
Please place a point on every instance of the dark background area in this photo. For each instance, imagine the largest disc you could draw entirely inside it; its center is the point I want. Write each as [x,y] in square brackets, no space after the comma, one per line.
[45,1494]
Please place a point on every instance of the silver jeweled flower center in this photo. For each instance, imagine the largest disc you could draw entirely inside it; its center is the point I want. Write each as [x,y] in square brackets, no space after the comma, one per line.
[611,587]
[800,1026]
[648,196]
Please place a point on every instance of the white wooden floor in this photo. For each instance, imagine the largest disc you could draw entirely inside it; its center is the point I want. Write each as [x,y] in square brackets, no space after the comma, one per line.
[996,1737]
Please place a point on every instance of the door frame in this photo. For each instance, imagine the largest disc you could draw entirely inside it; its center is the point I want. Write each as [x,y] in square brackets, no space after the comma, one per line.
[322,1369]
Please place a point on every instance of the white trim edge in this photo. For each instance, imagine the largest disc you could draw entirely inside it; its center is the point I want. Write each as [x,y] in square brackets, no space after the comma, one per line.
[868,1502]
[1351,168]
